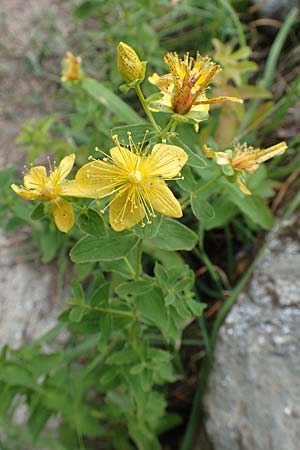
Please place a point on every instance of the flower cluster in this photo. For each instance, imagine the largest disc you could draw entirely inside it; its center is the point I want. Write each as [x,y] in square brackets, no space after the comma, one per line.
[133,177]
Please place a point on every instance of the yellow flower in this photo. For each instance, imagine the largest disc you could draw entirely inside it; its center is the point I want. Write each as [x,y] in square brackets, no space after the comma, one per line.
[71,68]
[244,159]
[136,180]
[129,65]
[184,87]
[39,186]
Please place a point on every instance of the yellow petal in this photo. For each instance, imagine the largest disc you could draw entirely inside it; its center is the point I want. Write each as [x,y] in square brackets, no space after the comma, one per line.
[124,158]
[35,178]
[63,214]
[154,78]
[73,189]
[270,152]
[64,168]
[165,83]
[162,199]
[166,160]
[223,158]
[202,107]
[164,104]
[26,193]
[96,179]
[242,186]
[208,152]
[219,100]
[121,213]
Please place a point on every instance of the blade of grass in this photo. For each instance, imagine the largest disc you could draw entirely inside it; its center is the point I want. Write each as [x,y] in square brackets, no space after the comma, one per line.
[236,21]
[270,67]
[111,101]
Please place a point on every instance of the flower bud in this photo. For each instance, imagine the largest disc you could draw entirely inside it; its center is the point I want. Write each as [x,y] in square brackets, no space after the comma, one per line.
[129,64]
[71,68]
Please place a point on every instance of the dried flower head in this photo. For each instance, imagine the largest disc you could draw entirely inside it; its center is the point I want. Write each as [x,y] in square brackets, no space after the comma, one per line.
[184,87]
[244,158]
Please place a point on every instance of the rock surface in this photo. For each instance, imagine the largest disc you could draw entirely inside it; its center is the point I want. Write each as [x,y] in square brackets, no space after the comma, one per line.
[28,307]
[253,397]
[33,41]
[278,9]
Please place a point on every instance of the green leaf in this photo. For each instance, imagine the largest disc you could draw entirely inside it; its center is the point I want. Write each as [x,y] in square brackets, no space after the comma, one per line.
[139,133]
[194,159]
[44,363]
[38,212]
[87,9]
[111,101]
[124,267]
[150,230]
[227,170]
[6,175]
[252,206]
[16,375]
[161,274]
[224,211]
[152,307]
[174,235]
[78,293]
[38,420]
[101,295]
[76,314]
[134,288]
[195,307]
[92,248]
[6,397]
[201,208]
[188,182]
[91,222]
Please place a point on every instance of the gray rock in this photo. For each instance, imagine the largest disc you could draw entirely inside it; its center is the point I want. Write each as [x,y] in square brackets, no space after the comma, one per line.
[253,396]
[278,9]
[28,307]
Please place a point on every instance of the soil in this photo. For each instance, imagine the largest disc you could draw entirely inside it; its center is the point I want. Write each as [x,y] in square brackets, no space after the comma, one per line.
[34,39]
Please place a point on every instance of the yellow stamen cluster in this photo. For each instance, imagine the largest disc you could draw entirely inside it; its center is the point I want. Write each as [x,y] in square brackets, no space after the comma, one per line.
[184,87]
[190,77]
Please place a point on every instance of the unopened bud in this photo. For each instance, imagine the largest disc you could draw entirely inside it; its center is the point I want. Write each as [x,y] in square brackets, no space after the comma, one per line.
[129,64]
[72,68]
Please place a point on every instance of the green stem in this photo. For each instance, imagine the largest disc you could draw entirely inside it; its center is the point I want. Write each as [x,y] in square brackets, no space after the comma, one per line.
[139,259]
[167,127]
[118,312]
[142,99]
[186,199]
